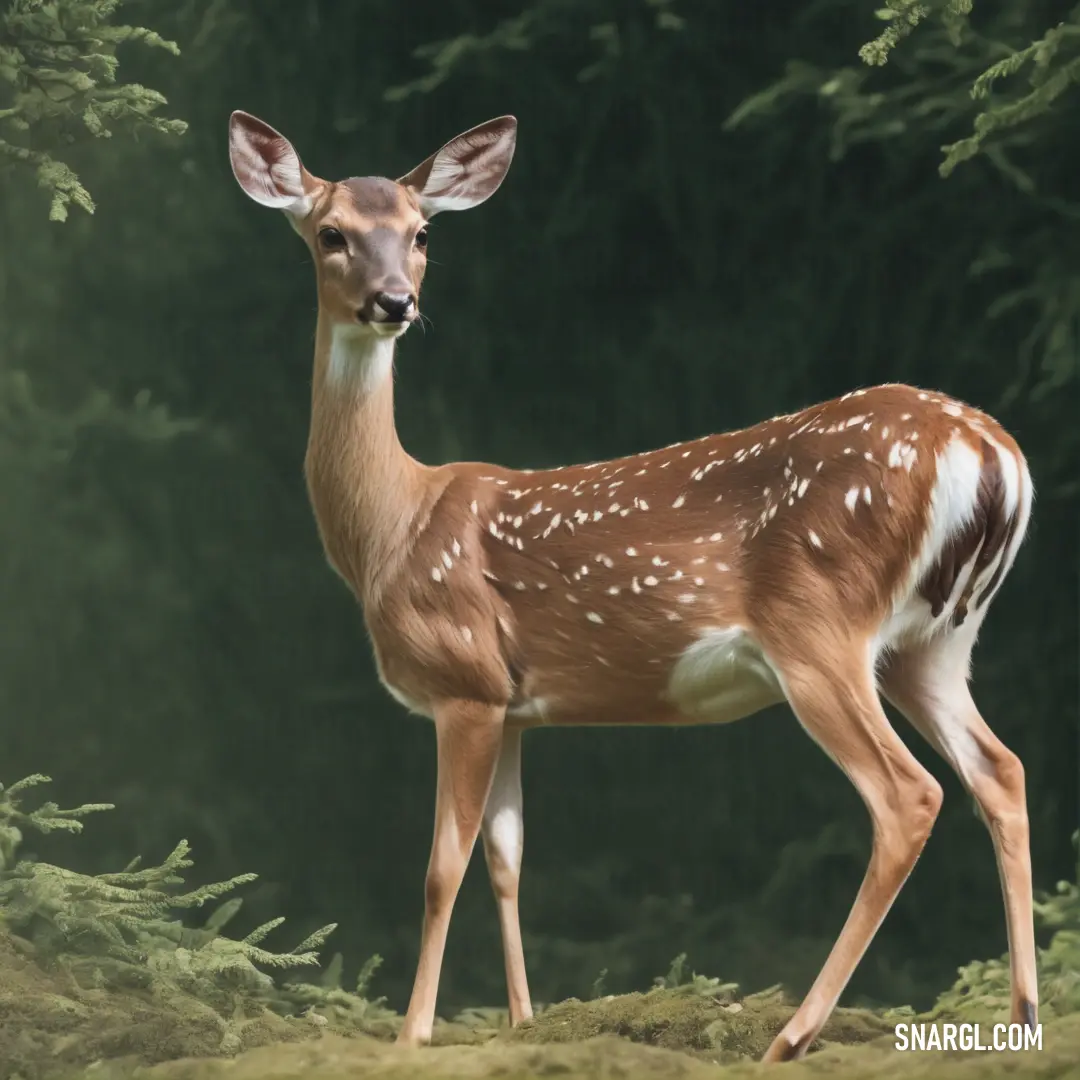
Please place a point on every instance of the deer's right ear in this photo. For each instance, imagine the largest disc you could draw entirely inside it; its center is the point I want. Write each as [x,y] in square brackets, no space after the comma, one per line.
[267,167]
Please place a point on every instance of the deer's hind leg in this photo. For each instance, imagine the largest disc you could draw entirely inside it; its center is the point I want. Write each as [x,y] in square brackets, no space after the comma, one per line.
[929,685]
[831,688]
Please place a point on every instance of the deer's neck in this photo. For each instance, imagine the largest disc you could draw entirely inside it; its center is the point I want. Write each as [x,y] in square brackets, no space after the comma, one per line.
[365,489]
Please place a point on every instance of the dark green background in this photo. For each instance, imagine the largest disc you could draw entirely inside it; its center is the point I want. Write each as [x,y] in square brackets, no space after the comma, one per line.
[172,639]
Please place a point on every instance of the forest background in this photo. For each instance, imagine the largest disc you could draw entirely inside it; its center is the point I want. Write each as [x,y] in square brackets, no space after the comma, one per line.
[744,216]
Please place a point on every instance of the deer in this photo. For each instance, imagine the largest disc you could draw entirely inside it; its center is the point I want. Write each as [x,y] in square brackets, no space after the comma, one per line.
[834,558]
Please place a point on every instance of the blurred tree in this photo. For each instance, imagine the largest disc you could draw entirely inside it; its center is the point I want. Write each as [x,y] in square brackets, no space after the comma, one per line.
[58,85]
[957,71]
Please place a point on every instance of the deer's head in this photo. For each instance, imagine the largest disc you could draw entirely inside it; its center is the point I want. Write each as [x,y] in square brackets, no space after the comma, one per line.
[368,235]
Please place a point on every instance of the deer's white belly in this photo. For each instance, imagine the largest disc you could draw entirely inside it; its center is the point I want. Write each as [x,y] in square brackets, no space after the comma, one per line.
[721,677]
[410,703]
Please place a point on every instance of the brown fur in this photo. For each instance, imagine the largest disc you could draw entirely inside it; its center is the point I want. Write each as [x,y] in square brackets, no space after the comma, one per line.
[528,607]
[499,598]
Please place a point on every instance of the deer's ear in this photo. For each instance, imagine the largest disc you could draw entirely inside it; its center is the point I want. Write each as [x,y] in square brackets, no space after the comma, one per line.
[267,167]
[467,170]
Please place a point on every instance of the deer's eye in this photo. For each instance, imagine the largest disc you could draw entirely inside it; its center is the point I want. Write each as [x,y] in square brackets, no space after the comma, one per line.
[421,239]
[332,239]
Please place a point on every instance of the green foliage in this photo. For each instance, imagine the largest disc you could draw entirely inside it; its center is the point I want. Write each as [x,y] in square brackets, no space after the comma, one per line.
[951,74]
[329,1002]
[120,929]
[902,16]
[1054,62]
[679,978]
[39,438]
[600,22]
[955,74]
[45,819]
[58,86]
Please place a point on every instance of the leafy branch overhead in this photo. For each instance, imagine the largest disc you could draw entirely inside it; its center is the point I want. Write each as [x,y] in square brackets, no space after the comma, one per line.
[993,75]
[600,22]
[58,87]
[1001,83]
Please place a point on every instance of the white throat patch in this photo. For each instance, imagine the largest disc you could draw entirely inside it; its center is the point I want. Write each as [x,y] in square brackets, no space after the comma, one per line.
[360,359]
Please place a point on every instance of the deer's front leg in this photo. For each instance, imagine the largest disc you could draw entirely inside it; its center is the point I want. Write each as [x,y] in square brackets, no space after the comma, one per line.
[504,836]
[469,737]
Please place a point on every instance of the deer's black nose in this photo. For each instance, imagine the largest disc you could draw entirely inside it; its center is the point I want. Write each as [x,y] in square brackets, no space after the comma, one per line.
[392,307]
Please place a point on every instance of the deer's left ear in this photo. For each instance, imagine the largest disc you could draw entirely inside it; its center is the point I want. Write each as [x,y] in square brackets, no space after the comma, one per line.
[467,170]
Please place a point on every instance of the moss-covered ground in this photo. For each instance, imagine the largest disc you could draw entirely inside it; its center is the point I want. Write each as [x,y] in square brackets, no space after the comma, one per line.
[53,1026]
[105,978]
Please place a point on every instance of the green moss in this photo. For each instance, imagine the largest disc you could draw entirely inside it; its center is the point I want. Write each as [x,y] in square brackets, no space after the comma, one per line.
[605,1058]
[683,1019]
[99,976]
